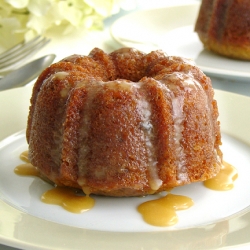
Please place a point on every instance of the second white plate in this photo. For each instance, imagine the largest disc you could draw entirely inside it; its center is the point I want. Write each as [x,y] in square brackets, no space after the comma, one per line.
[172,30]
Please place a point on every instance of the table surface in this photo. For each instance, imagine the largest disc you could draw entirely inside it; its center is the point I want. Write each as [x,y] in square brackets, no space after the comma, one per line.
[102,39]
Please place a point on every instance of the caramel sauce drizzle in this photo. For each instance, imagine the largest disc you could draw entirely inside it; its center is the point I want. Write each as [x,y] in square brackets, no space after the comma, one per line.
[69,199]
[24,156]
[27,169]
[162,212]
[159,212]
[224,180]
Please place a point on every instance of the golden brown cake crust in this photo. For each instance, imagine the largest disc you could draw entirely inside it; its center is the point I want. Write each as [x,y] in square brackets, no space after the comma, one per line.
[223,26]
[124,123]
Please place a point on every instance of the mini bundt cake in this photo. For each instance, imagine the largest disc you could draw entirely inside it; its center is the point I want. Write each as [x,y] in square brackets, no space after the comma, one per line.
[124,123]
[223,27]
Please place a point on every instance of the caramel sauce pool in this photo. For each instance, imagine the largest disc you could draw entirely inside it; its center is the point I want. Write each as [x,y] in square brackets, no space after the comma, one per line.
[27,169]
[162,212]
[69,199]
[224,180]
[159,212]
[24,156]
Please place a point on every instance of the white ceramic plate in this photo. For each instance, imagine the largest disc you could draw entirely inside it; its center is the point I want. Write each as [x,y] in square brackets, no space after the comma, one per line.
[216,220]
[119,214]
[172,30]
